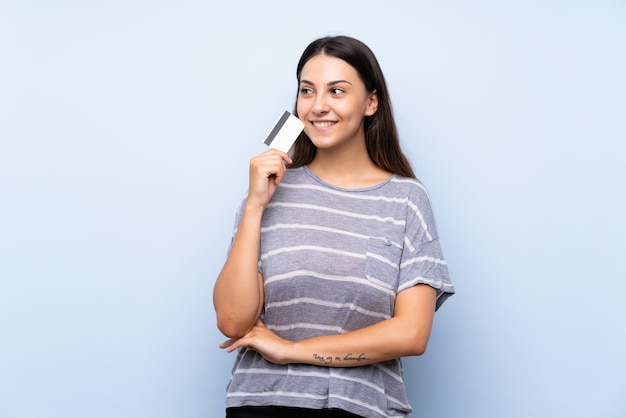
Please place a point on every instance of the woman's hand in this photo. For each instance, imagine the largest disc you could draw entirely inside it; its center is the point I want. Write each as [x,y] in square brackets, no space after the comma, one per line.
[261,339]
[266,172]
[404,334]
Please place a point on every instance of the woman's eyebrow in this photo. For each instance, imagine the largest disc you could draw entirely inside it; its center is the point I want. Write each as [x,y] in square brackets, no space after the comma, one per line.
[330,83]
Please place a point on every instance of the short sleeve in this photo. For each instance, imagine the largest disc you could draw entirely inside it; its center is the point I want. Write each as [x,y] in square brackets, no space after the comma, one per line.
[422,258]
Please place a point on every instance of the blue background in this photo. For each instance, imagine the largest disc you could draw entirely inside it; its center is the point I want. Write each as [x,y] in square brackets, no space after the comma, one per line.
[125,133]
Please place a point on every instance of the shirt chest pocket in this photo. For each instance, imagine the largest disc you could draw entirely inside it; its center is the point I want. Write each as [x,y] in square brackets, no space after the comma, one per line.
[382,262]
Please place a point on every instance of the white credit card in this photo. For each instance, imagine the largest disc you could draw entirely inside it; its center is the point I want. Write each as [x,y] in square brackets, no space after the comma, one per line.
[284,133]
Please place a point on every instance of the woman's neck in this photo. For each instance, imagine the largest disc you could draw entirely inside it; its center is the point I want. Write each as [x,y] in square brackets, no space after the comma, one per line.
[347,168]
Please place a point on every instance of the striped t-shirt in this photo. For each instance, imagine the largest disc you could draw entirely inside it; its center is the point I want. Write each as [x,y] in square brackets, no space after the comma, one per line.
[333,261]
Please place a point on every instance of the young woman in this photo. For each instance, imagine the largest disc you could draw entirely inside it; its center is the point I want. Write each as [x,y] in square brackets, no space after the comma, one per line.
[335,269]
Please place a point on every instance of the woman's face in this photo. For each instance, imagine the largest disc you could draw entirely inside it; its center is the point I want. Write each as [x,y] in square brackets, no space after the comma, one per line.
[332,102]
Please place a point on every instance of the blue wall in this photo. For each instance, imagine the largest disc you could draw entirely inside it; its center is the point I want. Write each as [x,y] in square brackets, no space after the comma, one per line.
[125,132]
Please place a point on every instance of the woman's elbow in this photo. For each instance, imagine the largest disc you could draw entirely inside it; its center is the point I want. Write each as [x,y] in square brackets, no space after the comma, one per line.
[420,348]
[416,346]
[232,328]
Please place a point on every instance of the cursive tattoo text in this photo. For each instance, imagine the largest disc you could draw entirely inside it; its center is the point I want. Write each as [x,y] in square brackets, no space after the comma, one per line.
[328,360]
[322,359]
[350,357]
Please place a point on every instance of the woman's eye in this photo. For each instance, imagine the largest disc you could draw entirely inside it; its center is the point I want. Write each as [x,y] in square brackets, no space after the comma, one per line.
[305,90]
[337,91]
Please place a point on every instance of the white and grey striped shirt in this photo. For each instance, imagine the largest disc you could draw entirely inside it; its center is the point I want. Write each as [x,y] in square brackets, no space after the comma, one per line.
[333,261]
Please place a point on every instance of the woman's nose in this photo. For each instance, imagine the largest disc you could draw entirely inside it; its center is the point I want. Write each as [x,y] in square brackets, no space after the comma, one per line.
[320,105]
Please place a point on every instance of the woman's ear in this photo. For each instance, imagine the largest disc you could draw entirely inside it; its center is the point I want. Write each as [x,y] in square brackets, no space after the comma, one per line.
[372,104]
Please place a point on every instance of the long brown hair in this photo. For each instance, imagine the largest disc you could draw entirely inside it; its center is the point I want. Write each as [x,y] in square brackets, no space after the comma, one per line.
[381,134]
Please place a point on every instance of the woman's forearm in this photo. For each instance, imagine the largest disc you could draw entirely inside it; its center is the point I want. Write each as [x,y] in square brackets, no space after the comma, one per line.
[238,291]
[386,340]
[405,334]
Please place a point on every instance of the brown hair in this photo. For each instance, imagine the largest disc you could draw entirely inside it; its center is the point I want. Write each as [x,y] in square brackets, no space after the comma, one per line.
[381,134]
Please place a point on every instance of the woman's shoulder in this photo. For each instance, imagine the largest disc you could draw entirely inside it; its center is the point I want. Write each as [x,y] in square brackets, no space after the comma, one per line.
[410,187]
[295,172]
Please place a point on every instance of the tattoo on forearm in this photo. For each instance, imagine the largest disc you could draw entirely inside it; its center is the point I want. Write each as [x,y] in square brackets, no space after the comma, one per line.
[347,358]
[350,357]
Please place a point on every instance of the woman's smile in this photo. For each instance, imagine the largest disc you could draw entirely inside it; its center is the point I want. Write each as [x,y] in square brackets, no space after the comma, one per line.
[323,124]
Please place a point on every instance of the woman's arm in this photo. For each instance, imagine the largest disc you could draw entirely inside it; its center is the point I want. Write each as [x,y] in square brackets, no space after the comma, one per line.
[405,334]
[238,291]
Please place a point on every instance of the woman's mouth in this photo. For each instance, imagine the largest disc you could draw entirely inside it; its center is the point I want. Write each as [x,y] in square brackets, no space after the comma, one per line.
[323,123]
